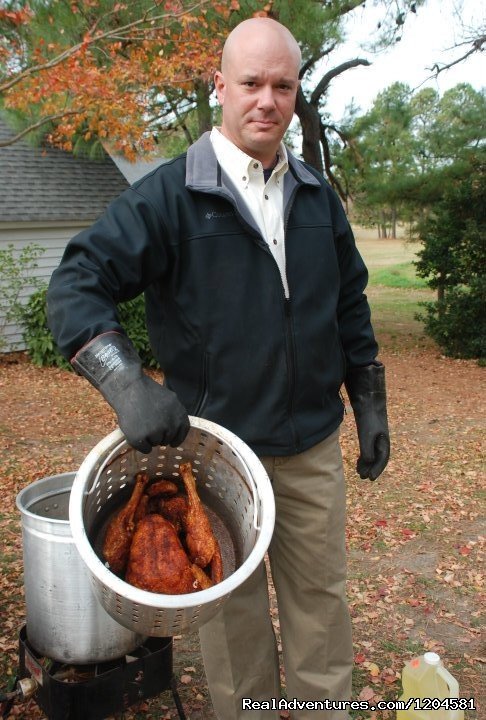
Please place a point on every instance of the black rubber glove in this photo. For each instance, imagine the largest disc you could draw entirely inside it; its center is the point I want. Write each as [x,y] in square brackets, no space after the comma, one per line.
[367,393]
[148,413]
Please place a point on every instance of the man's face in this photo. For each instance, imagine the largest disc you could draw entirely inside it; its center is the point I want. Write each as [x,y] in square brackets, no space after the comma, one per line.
[257,92]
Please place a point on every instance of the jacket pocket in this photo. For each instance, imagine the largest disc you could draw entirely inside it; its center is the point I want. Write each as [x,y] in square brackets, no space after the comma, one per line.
[203,395]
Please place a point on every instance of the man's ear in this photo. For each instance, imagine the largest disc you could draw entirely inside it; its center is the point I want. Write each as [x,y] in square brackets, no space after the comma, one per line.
[219,85]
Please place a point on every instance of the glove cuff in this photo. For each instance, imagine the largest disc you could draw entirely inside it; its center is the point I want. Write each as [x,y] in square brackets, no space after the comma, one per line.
[109,362]
[363,381]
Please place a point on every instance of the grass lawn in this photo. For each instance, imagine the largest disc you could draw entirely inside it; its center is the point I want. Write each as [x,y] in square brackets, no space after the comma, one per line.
[401,275]
[383,253]
[394,290]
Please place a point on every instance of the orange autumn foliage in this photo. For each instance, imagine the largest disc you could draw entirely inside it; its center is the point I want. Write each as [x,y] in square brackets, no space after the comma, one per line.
[110,83]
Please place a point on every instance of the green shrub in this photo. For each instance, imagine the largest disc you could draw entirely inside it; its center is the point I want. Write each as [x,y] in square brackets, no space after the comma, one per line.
[37,336]
[132,318]
[452,261]
[458,322]
[40,342]
[16,272]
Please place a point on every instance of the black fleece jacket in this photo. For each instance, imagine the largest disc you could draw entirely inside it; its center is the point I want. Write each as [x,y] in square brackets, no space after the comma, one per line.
[231,345]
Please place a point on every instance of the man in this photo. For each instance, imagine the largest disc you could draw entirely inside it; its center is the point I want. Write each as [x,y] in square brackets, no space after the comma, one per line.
[256,313]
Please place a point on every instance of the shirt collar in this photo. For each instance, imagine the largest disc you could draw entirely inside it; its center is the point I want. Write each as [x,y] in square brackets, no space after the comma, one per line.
[238,165]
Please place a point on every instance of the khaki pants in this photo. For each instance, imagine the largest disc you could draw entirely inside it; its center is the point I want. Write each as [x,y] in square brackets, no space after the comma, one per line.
[308,564]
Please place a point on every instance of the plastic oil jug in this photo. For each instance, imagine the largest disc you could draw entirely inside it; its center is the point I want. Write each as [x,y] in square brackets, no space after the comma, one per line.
[426,679]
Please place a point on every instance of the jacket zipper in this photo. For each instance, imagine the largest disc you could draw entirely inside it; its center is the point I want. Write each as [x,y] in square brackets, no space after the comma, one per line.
[290,350]
[290,344]
[289,331]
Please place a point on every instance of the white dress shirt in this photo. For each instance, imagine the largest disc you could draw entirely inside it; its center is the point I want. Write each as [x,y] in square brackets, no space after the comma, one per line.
[264,200]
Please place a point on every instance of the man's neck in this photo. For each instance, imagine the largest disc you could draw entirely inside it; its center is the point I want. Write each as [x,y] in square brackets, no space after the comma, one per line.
[267,163]
[267,171]
[270,165]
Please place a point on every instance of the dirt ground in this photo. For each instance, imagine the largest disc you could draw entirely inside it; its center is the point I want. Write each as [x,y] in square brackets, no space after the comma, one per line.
[415,537]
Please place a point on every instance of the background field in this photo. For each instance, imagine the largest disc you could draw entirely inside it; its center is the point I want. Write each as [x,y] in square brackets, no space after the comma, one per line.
[394,291]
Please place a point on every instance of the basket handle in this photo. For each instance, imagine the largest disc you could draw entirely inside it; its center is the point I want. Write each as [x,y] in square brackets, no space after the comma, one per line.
[103,465]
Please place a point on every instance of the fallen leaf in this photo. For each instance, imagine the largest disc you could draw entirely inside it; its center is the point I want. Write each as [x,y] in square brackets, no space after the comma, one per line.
[367,693]
[373,669]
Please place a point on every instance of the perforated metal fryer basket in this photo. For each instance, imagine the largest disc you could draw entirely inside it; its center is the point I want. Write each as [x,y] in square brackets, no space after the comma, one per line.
[230,479]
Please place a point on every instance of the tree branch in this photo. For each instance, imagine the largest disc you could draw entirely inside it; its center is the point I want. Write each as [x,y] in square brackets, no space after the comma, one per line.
[91,37]
[343,135]
[323,84]
[327,164]
[31,128]
[181,122]
[345,8]
[309,63]
[315,58]
[477,46]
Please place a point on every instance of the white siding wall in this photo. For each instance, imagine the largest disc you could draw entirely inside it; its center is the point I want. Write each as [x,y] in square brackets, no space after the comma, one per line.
[53,239]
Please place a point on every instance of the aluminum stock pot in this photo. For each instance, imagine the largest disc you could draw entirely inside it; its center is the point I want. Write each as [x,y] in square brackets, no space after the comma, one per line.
[65,621]
[232,484]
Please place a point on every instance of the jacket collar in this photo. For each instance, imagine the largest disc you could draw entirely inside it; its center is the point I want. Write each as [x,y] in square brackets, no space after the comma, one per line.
[203,171]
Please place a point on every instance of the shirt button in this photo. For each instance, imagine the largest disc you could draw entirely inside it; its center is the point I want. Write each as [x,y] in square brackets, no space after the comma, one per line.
[266,197]
[244,177]
[274,241]
[255,165]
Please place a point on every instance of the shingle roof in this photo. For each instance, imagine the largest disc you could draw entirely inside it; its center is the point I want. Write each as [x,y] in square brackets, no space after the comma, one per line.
[47,184]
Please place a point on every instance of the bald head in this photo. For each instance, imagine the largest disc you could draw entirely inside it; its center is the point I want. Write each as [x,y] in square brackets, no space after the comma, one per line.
[257,86]
[259,31]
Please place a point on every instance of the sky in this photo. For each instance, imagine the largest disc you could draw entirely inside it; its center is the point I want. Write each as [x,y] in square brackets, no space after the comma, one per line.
[426,36]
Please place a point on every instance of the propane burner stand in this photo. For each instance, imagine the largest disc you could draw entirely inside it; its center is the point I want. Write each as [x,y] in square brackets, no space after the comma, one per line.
[93,692]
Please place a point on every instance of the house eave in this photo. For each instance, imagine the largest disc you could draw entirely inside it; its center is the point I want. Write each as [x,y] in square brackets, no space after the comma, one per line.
[44,224]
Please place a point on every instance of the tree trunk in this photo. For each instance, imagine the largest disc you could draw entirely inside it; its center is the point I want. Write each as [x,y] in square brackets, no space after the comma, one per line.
[204,115]
[394,223]
[383,224]
[310,119]
[310,122]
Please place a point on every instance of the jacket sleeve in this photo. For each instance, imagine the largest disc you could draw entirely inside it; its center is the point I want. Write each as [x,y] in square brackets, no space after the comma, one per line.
[112,261]
[354,315]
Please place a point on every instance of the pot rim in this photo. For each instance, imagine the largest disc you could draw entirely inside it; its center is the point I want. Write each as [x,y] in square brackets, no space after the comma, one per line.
[23,508]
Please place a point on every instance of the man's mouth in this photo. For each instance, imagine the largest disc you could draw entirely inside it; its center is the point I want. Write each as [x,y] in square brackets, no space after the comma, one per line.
[264,122]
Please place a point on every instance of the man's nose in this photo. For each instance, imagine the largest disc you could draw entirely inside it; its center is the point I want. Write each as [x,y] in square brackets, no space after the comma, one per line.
[266,98]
